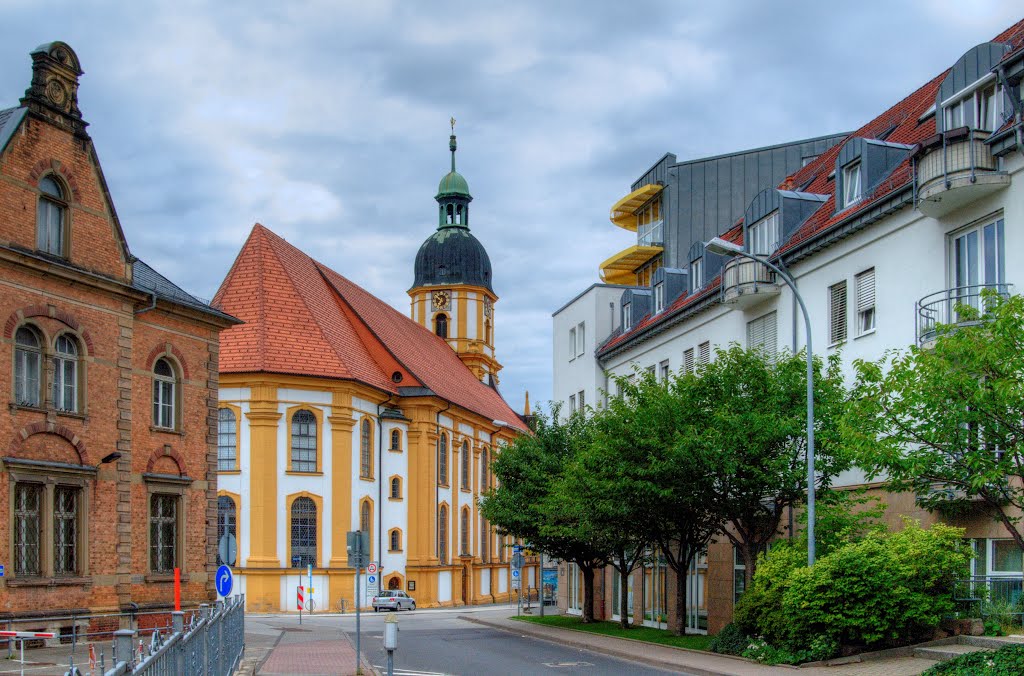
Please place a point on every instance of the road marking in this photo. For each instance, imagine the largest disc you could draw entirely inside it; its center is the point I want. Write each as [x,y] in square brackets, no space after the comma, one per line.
[566,665]
[405,672]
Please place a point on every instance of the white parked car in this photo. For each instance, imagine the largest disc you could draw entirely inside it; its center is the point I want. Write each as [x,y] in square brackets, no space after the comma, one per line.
[393,599]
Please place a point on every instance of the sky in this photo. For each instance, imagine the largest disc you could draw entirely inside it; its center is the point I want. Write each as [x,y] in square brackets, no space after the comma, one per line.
[328,120]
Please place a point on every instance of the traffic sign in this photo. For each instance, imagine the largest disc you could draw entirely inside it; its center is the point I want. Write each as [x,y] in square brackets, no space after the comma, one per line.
[227,548]
[517,549]
[224,581]
[515,574]
[515,583]
[371,580]
[371,567]
[517,560]
[1,570]
[358,546]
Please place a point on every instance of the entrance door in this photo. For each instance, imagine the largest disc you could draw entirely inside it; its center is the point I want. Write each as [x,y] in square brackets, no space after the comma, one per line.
[465,584]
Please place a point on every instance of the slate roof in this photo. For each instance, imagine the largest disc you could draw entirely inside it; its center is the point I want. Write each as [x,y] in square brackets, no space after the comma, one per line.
[10,118]
[149,280]
[302,318]
[902,123]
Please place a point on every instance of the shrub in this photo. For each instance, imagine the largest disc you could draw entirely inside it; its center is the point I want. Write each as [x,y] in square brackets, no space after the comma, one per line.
[1007,661]
[757,613]
[887,589]
[730,641]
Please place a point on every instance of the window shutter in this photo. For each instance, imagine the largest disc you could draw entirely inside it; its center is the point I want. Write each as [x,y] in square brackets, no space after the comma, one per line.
[837,313]
[704,352]
[762,333]
[864,284]
[688,361]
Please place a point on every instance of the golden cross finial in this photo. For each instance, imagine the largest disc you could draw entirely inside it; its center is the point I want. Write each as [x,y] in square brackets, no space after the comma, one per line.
[453,125]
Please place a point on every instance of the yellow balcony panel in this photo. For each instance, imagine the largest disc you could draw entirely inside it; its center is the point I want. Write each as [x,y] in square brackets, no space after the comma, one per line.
[621,268]
[623,211]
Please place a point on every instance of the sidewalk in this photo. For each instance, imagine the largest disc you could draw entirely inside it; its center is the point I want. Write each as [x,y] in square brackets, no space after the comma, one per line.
[272,649]
[692,661]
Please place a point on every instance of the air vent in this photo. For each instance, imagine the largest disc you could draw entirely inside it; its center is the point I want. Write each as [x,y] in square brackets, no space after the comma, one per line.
[396,377]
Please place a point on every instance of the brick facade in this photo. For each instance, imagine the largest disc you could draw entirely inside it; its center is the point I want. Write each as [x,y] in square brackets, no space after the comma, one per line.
[120,326]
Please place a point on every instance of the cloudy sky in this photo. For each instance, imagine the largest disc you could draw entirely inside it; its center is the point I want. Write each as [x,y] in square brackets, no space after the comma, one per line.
[327,120]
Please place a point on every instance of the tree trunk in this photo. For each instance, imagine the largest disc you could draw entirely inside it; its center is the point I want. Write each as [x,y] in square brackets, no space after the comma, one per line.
[588,594]
[749,564]
[623,597]
[679,626]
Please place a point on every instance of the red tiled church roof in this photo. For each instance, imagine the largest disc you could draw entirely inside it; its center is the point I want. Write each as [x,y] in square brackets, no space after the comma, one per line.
[904,125]
[302,318]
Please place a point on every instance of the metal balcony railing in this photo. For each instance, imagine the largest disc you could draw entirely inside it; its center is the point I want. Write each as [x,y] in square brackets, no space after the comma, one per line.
[745,277]
[959,306]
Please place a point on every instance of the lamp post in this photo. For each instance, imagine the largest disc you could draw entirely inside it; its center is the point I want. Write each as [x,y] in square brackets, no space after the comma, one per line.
[721,247]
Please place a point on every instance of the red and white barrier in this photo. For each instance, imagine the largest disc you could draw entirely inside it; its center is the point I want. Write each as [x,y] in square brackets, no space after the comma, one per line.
[27,634]
[300,599]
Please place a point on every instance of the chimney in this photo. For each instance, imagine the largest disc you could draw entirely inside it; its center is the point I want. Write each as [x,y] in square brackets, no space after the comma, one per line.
[53,94]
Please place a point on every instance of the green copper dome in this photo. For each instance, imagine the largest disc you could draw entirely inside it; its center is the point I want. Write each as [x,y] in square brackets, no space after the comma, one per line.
[453,185]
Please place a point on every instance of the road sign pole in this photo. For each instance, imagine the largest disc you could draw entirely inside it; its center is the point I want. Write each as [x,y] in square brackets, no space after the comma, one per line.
[359,566]
[541,571]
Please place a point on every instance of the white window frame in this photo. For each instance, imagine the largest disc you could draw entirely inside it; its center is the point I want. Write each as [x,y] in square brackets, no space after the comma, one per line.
[572,403]
[659,297]
[663,369]
[572,343]
[581,336]
[581,400]
[165,397]
[65,369]
[972,95]
[849,197]
[864,302]
[764,235]
[28,370]
[697,274]
[627,316]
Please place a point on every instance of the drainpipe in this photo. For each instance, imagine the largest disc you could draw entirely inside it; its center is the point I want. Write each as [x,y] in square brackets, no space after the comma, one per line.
[151,306]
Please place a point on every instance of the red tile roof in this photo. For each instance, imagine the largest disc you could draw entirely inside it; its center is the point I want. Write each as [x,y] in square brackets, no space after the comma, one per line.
[903,124]
[302,318]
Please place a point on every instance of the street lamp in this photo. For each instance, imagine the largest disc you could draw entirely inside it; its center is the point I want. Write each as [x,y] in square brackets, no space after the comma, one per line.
[721,247]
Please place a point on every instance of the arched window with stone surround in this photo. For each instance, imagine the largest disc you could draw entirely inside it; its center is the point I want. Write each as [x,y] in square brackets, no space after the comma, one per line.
[442,534]
[51,215]
[65,373]
[303,532]
[28,357]
[165,395]
[464,543]
[303,450]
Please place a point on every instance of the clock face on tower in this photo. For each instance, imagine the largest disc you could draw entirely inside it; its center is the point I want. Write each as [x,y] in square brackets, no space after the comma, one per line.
[439,300]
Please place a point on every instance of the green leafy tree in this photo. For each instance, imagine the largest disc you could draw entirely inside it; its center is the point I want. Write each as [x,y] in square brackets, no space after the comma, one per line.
[751,426]
[947,421]
[529,501]
[649,431]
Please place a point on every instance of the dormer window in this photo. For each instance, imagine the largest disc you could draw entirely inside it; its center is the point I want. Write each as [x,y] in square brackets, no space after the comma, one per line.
[763,236]
[851,184]
[627,316]
[978,108]
[50,217]
[659,296]
[697,274]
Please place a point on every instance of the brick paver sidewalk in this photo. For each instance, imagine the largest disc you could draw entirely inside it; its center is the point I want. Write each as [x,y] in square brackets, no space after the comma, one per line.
[334,657]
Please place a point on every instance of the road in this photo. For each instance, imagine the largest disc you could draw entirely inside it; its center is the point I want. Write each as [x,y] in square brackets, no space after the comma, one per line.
[434,642]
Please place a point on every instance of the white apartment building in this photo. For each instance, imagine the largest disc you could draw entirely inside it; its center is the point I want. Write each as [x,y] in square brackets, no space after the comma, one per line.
[883,232]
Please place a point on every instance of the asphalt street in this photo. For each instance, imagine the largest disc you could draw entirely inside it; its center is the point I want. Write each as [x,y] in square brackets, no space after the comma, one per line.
[435,642]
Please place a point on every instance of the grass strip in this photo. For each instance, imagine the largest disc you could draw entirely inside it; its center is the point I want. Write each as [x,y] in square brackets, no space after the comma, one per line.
[647,634]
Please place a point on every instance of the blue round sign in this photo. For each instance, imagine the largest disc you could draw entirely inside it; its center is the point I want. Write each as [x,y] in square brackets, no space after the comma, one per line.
[224,580]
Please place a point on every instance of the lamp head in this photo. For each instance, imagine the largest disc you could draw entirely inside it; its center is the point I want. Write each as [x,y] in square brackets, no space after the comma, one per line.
[111,457]
[721,247]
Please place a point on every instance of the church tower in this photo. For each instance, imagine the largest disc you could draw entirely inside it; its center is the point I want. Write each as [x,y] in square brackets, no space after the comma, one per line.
[451,293]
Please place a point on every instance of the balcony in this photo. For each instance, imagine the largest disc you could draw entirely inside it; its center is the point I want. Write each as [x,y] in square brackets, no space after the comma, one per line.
[955,168]
[651,234]
[623,212]
[746,283]
[621,268]
[960,306]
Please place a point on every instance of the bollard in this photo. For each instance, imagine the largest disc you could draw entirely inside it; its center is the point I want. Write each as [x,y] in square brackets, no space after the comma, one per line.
[123,640]
[178,627]
[391,640]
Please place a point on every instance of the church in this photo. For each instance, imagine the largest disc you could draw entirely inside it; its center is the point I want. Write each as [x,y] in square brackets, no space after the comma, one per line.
[338,413]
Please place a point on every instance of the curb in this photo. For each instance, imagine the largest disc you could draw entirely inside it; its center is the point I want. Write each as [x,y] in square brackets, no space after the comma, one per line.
[620,652]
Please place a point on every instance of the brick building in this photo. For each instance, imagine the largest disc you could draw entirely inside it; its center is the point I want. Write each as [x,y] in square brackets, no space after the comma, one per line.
[107,466]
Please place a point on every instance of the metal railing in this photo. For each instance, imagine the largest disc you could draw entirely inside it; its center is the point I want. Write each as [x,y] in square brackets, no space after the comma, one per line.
[962,152]
[211,644]
[998,597]
[742,273]
[959,306]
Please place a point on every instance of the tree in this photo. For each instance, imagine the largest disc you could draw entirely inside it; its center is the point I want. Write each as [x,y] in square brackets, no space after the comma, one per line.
[649,432]
[947,421]
[607,484]
[752,422]
[528,502]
